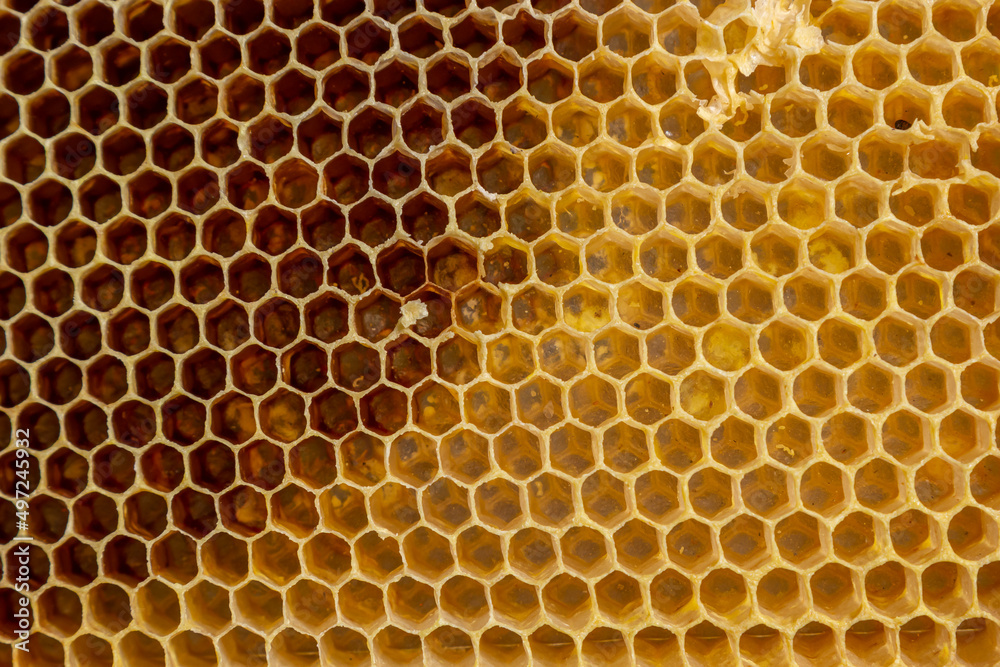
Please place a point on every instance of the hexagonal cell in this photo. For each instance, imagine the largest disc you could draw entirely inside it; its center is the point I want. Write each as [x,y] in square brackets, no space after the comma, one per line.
[592,401]
[928,386]
[218,145]
[552,168]
[864,295]
[962,436]
[832,251]
[724,592]
[368,41]
[744,541]
[977,59]
[363,459]
[515,602]
[765,160]
[891,588]
[583,550]
[473,123]
[479,552]
[937,484]
[363,604]
[783,345]
[446,504]
[311,604]
[931,62]
[557,261]
[719,256]
[609,259]
[858,201]
[605,167]
[790,439]
[574,122]
[498,504]
[780,594]
[922,161]
[750,300]
[766,491]
[453,645]
[714,161]
[394,507]
[690,546]
[671,595]
[500,77]
[801,203]
[915,536]
[420,36]
[616,353]
[711,493]
[775,252]
[640,305]
[854,538]
[549,80]
[449,77]
[506,262]
[452,265]
[964,107]
[943,248]
[378,558]
[799,539]
[905,436]
[75,563]
[648,398]
[524,33]
[897,340]
[696,301]
[972,533]
[424,217]
[631,125]
[395,83]
[762,643]
[826,158]
[604,498]
[975,292]
[463,601]
[533,310]
[816,641]
[369,132]
[977,386]
[823,489]
[311,451]
[626,33]
[758,393]
[878,485]
[703,395]
[619,597]
[976,640]
[458,360]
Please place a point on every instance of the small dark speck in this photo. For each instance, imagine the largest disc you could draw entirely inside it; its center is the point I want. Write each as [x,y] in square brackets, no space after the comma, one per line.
[903,124]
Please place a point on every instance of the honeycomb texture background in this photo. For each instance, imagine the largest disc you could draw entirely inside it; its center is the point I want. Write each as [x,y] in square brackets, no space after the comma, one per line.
[423,333]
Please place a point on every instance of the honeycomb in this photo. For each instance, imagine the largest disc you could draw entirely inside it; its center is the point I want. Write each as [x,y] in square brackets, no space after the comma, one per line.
[603,332]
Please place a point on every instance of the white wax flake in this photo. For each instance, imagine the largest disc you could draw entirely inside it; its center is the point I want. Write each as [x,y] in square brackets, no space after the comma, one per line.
[782,28]
[412,311]
[781,24]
